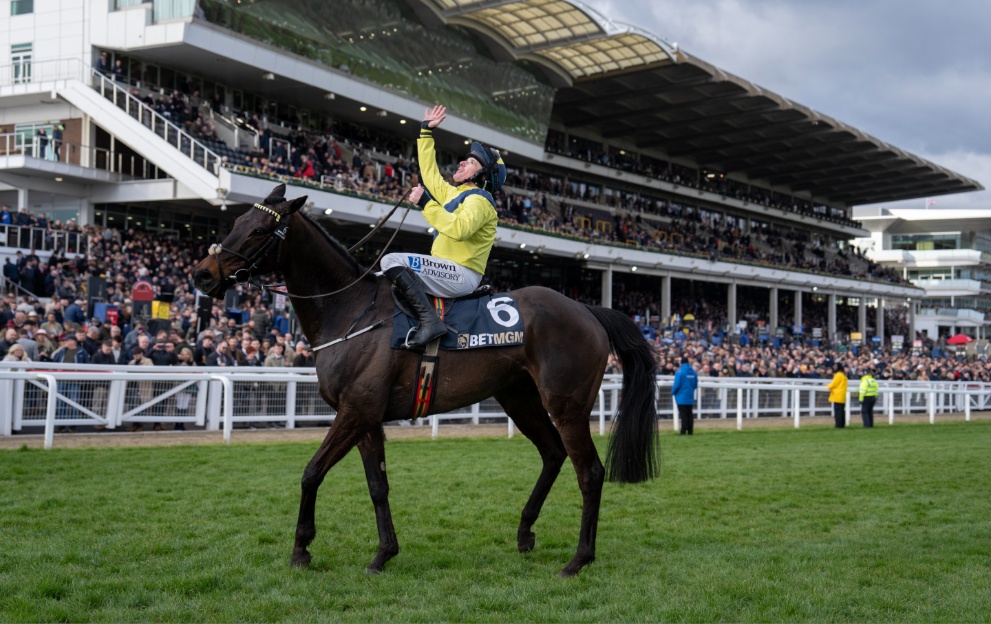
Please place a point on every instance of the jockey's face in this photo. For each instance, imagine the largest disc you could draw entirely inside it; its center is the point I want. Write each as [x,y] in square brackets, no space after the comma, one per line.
[467,169]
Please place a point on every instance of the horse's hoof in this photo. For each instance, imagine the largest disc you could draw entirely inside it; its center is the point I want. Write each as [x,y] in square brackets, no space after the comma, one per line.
[526,542]
[300,561]
[567,573]
[373,570]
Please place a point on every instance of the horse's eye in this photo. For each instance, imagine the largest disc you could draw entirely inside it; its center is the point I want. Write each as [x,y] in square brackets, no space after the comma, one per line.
[258,232]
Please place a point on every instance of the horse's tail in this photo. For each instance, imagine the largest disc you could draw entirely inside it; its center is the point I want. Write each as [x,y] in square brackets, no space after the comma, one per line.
[633,448]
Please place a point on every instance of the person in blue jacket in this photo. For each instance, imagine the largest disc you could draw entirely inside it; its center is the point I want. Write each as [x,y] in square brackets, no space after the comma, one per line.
[685,383]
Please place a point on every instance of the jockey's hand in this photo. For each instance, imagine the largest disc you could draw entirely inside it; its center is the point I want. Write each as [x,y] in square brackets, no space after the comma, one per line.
[416,194]
[434,116]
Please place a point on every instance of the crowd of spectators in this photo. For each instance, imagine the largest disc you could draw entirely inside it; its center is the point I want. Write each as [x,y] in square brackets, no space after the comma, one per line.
[803,361]
[356,159]
[711,181]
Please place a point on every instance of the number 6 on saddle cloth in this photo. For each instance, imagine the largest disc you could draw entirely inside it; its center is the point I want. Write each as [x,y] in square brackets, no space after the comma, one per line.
[479,320]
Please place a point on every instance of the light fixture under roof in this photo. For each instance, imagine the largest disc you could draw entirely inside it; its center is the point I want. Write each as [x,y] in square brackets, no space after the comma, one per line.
[363,108]
[402,122]
[329,96]
[328,211]
[268,76]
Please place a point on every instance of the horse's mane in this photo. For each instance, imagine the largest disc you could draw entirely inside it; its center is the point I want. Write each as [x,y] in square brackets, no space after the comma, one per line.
[336,244]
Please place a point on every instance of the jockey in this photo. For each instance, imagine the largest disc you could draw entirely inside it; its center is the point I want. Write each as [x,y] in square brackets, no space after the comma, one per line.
[464,219]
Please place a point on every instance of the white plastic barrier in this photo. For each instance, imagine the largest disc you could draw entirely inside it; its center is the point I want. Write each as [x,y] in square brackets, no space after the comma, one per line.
[65,395]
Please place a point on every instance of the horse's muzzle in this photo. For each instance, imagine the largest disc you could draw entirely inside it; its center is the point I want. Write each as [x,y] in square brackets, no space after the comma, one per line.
[205,281]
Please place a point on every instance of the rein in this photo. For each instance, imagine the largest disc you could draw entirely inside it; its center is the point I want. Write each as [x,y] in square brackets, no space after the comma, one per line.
[279,235]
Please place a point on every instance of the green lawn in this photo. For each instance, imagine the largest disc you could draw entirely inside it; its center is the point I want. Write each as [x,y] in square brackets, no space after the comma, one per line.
[817,524]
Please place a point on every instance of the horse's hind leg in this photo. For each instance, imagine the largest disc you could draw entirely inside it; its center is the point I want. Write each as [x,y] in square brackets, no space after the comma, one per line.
[372,448]
[578,441]
[341,438]
[523,405]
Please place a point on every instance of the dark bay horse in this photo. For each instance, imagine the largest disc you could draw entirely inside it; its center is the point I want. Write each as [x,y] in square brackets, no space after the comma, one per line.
[547,386]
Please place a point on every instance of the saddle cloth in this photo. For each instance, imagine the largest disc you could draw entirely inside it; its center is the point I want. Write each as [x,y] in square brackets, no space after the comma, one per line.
[491,320]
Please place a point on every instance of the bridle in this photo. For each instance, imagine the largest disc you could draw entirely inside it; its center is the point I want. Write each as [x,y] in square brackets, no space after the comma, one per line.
[278,236]
[244,275]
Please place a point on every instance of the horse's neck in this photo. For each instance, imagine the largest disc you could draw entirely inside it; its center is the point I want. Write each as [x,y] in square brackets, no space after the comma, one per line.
[313,265]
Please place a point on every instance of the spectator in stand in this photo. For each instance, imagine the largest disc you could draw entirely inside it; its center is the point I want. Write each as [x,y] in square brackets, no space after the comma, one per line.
[16,353]
[206,348]
[183,400]
[221,357]
[9,337]
[105,355]
[10,272]
[46,346]
[103,65]
[146,389]
[29,345]
[837,395]
[76,312]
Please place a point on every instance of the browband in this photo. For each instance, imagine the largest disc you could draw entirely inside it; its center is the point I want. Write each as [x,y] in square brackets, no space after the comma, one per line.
[277,216]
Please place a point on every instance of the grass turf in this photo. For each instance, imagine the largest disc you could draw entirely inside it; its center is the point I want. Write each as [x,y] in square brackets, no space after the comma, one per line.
[816,524]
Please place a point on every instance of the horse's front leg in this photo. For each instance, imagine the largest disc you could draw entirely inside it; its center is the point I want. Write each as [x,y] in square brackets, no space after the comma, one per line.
[340,439]
[372,448]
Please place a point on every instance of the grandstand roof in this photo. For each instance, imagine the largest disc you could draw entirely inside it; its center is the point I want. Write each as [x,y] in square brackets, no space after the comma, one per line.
[630,86]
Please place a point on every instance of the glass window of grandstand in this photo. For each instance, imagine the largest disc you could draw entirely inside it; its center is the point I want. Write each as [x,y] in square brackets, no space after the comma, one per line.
[926,242]
[149,77]
[20,60]
[168,223]
[21,7]
[939,273]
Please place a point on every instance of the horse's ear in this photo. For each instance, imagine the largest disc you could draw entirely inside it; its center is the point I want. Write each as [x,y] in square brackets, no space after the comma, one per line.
[297,203]
[277,195]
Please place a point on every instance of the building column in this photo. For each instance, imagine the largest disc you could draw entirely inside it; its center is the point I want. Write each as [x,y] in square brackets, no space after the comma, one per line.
[879,321]
[665,300]
[731,306]
[607,287]
[23,201]
[831,318]
[911,323]
[862,318]
[772,322]
[797,316]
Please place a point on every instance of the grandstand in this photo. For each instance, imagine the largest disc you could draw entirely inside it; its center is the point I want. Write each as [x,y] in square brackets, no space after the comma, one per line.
[641,176]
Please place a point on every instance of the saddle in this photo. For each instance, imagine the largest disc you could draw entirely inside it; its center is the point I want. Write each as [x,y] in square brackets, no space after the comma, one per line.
[481,291]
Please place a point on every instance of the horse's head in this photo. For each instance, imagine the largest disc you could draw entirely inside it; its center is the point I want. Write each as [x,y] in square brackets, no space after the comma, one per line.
[249,248]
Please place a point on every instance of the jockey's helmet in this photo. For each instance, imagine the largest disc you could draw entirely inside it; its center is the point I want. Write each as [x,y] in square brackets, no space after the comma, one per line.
[493,172]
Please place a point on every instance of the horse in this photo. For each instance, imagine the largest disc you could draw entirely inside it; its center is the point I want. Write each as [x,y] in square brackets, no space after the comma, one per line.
[548,385]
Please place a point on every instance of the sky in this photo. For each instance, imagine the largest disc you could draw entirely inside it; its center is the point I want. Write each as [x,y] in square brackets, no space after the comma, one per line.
[914,74]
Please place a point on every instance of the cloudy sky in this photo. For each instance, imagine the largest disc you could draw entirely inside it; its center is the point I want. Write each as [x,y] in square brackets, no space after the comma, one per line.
[914,74]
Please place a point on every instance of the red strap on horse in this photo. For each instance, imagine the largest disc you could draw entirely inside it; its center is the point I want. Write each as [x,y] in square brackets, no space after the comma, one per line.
[427,371]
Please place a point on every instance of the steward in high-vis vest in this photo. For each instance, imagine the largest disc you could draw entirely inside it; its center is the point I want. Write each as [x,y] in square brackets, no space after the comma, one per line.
[868,396]
[464,219]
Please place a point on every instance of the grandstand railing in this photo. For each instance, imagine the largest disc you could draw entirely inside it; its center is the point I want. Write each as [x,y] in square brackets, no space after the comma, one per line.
[157,123]
[28,73]
[43,239]
[52,395]
[126,165]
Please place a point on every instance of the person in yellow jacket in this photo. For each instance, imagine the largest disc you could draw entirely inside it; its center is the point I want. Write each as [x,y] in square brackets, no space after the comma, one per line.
[837,395]
[868,396]
[464,218]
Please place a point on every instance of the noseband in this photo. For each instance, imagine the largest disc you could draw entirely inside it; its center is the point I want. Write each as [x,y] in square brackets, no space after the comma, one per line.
[241,276]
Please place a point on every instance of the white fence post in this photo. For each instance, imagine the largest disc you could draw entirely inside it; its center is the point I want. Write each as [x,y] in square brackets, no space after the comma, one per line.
[739,409]
[228,400]
[50,409]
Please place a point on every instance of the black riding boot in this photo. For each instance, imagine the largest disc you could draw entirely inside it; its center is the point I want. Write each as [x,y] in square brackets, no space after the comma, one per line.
[411,289]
